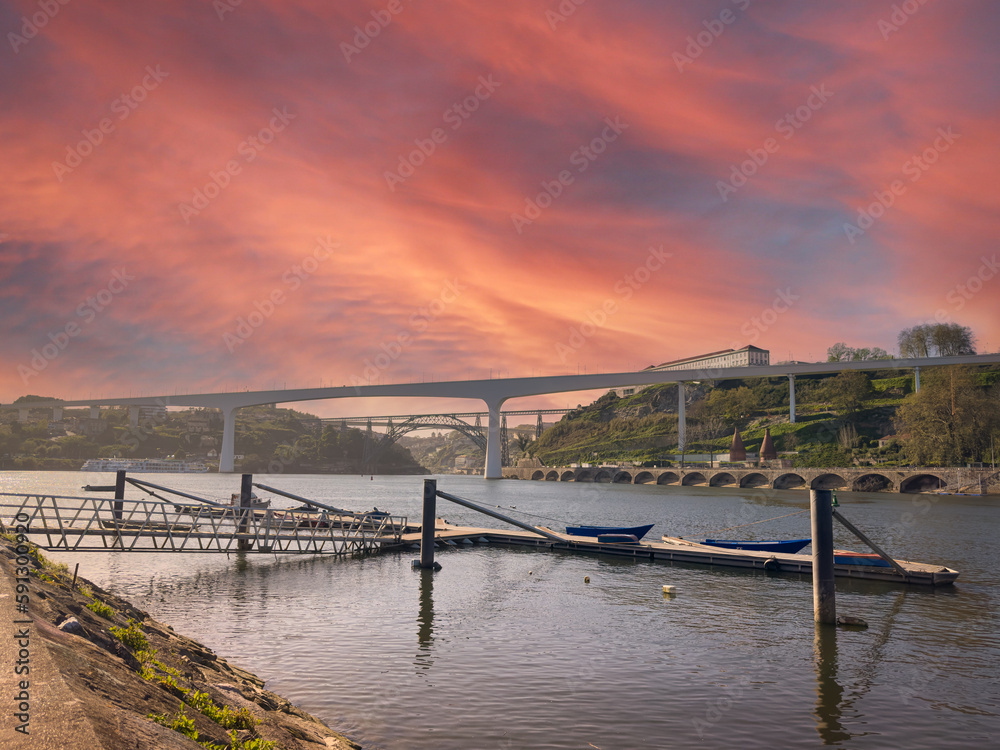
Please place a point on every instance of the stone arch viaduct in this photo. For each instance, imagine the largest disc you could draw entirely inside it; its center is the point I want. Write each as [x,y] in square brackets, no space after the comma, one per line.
[865,479]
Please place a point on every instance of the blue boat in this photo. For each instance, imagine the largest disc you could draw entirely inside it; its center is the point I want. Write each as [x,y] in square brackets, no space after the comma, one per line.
[637,531]
[844,557]
[789,546]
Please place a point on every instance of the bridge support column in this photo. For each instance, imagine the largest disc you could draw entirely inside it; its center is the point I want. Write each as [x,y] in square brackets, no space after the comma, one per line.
[494,469]
[57,414]
[226,455]
[95,412]
[133,416]
[681,427]
[916,379]
[23,415]
[791,399]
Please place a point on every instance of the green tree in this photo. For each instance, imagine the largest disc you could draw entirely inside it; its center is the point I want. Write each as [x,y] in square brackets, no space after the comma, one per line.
[950,421]
[942,339]
[847,392]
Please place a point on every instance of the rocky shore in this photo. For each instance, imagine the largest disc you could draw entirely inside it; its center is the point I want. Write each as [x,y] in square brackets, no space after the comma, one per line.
[83,668]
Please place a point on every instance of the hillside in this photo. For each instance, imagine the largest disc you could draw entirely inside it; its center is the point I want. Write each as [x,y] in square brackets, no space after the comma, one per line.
[839,420]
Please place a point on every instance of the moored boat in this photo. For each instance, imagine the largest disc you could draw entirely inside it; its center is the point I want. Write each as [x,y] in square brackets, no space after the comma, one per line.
[637,531]
[788,546]
[846,557]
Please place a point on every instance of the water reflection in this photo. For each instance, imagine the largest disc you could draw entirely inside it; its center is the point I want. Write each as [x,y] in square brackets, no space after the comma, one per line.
[829,692]
[425,620]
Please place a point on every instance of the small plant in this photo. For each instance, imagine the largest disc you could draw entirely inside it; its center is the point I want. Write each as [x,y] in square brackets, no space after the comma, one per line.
[132,636]
[100,608]
[224,716]
[181,722]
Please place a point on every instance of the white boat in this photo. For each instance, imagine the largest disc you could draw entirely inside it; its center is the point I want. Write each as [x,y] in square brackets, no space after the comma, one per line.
[144,465]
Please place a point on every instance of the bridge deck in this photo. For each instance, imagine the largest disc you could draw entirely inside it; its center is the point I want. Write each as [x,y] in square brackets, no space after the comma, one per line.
[680,550]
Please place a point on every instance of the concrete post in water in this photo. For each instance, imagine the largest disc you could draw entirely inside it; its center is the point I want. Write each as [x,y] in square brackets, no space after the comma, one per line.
[427,525]
[791,399]
[119,494]
[246,490]
[824,588]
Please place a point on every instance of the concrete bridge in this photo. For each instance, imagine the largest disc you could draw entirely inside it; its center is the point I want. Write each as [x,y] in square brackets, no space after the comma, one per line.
[861,479]
[494,393]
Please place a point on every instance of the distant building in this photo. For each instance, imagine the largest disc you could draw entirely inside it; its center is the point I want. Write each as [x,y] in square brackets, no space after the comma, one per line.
[199,423]
[748,356]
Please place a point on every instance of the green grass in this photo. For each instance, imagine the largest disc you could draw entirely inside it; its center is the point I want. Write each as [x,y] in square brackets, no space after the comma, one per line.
[100,608]
[132,636]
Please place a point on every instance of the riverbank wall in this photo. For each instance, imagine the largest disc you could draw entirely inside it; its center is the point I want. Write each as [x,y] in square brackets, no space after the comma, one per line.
[83,668]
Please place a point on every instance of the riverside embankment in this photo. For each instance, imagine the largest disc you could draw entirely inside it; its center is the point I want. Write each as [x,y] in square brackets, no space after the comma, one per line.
[83,668]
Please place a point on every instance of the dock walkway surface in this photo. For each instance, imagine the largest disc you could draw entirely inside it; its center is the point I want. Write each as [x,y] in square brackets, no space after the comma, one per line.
[674,549]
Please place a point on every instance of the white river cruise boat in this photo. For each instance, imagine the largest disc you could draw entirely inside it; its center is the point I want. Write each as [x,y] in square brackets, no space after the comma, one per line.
[144,465]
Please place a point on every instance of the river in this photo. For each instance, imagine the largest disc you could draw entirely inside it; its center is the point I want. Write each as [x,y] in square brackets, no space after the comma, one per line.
[508,648]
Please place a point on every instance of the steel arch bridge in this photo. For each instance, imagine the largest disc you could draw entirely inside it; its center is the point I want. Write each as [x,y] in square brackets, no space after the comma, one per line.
[376,443]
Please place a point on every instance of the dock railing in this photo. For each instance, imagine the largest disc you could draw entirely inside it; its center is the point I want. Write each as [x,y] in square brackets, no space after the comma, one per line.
[89,524]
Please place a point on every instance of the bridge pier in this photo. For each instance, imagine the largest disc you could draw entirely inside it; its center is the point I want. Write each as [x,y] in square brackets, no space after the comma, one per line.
[916,380]
[227,454]
[494,464]
[791,399]
[95,412]
[681,427]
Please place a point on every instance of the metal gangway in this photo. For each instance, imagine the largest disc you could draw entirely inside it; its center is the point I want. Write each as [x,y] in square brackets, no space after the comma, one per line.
[103,524]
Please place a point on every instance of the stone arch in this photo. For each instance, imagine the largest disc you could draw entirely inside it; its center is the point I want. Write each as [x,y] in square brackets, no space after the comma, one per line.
[922,483]
[622,477]
[722,479]
[790,481]
[568,476]
[829,482]
[642,477]
[602,476]
[538,475]
[693,478]
[552,476]
[754,479]
[872,483]
[584,475]
[668,477]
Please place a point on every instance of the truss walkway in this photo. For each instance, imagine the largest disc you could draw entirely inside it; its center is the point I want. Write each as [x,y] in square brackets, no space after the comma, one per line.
[100,524]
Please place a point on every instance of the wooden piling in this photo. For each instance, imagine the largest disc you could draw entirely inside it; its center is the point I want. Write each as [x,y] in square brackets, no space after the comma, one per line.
[427,524]
[119,494]
[824,589]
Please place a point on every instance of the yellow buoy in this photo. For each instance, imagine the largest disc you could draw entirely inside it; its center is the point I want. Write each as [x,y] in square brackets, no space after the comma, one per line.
[586,579]
[669,590]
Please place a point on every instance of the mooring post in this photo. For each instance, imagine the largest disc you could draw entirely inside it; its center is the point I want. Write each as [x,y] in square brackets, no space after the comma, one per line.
[427,525]
[119,494]
[246,490]
[824,588]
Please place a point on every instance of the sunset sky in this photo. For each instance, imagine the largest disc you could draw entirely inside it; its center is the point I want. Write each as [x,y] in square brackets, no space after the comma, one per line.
[203,196]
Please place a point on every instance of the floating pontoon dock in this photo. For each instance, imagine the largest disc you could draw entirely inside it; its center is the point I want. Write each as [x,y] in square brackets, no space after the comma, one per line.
[681,550]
